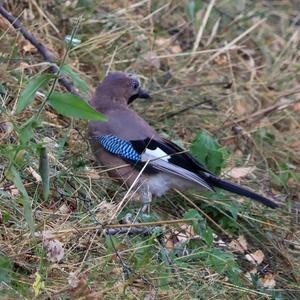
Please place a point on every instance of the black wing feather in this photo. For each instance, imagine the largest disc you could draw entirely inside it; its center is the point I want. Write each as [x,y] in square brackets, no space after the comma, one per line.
[187,161]
[178,156]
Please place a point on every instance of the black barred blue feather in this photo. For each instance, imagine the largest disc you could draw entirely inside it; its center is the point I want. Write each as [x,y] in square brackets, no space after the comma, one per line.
[119,146]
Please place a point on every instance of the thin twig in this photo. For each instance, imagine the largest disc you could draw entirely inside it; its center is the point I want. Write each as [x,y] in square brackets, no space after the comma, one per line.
[203,25]
[231,44]
[201,211]
[256,116]
[189,107]
[181,54]
[122,226]
[225,84]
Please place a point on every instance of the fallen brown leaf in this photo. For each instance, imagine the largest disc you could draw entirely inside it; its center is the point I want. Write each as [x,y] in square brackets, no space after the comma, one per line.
[12,189]
[28,48]
[34,174]
[268,281]
[239,245]
[240,172]
[170,241]
[256,257]
[106,211]
[221,60]
[4,24]
[5,129]
[296,106]
[162,42]
[75,142]
[184,234]
[78,286]
[176,49]
[28,14]
[296,145]
[242,106]
[91,173]
[64,209]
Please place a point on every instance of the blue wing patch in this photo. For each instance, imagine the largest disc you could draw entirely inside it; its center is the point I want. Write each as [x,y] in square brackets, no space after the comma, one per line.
[118,146]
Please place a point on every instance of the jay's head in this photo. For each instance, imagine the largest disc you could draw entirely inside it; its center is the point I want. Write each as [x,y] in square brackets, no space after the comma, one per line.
[122,87]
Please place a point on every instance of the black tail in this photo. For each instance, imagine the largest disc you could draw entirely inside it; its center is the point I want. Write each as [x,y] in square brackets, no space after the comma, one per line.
[240,190]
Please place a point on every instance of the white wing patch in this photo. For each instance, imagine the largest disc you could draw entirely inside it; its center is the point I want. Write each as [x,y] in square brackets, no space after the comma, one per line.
[160,160]
[156,153]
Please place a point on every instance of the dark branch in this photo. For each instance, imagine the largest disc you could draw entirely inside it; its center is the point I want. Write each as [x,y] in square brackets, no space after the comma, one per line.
[192,106]
[47,55]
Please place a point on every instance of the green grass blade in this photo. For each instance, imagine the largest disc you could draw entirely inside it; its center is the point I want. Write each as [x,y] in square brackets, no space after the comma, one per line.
[44,172]
[13,175]
[78,82]
[28,94]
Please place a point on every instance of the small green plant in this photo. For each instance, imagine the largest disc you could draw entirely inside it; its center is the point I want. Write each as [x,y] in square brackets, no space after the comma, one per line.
[5,269]
[209,152]
[220,260]
[286,172]
[66,104]
[193,6]
[264,136]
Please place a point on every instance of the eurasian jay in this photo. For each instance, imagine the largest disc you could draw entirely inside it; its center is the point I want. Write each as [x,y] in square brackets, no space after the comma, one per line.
[136,154]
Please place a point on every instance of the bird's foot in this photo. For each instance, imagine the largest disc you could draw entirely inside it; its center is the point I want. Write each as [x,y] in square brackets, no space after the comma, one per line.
[146,208]
[142,215]
[128,218]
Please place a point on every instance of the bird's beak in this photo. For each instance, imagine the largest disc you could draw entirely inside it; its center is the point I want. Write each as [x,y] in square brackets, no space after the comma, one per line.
[141,94]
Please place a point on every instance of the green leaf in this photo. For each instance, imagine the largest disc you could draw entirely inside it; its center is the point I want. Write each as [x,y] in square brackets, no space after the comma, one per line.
[28,94]
[44,172]
[265,136]
[111,243]
[152,217]
[3,89]
[223,261]
[285,172]
[193,6]
[13,175]
[73,106]
[200,226]
[193,214]
[5,269]
[209,152]
[26,131]
[234,210]
[78,82]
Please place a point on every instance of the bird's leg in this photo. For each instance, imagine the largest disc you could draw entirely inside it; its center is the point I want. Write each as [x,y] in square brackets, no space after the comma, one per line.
[146,197]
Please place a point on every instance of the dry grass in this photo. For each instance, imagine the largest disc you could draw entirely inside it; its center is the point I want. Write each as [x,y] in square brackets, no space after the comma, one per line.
[252,49]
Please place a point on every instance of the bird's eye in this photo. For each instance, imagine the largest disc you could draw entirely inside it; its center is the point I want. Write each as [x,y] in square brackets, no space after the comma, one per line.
[135,84]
